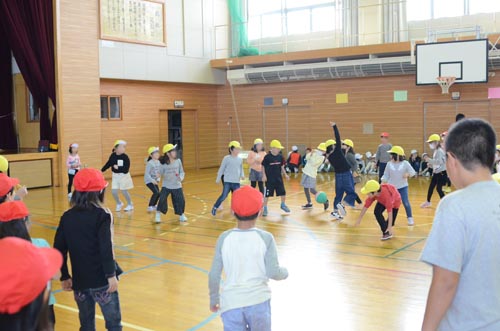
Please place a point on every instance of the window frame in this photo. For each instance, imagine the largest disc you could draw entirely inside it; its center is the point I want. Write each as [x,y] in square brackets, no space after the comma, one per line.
[109,118]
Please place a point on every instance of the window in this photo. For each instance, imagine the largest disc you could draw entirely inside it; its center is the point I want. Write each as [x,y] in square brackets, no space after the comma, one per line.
[422,10]
[484,6]
[111,107]
[448,8]
[268,19]
[418,10]
[32,110]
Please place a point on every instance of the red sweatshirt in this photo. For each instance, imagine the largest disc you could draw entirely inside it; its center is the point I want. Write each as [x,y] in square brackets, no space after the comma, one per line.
[389,197]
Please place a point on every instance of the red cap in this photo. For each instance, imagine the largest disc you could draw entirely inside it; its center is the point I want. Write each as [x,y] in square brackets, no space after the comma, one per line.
[246,201]
[89,180]
[13,210]
[384,135]
[24,272]
[6,184]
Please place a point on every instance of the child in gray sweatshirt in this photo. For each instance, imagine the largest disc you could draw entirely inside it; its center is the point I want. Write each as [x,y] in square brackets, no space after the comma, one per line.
[172,173]
[152,176]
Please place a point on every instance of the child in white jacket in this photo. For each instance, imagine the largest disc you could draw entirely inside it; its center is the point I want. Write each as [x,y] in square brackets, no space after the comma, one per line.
[314,160]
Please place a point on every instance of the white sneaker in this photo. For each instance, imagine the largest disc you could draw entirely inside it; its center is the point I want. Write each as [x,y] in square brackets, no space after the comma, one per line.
[70,195]
[426,204]
[341,209]
[129,208]
[151,209]
[411,222]
[337,216]
[158,218]
[119,206]
[183,218]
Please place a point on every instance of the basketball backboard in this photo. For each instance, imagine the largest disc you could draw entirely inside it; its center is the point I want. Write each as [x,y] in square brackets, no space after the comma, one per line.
[466,60]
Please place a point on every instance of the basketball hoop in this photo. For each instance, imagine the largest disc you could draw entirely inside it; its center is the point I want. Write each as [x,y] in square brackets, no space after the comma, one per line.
[445,83]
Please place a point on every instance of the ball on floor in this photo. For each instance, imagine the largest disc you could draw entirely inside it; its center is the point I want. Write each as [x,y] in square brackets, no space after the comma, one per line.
[321,197]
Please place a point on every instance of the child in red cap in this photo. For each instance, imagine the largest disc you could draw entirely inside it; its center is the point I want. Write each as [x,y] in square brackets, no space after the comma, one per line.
[249,258]
[24,273]
[8,189]
[86,233]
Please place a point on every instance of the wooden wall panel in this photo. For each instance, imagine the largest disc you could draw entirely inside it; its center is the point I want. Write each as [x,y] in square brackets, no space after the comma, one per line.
[77,80]
[142,120]
[370,101]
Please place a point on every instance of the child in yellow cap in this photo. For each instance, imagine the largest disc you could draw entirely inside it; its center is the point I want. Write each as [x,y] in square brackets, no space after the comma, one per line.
[314,160]
[119,163]
[152,176]
[274,170]
[438,164]
[230,172]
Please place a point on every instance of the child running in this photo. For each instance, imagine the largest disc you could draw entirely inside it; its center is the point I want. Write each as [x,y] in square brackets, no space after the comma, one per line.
[382,157]
[152,176]
[350,156]
[73,164]
[274,170]
[438,164]
[387,197]
[173,174]
[231,169]
[462,247]
[119,163]
[249,259]
[344,182]
[314,160]
[254,160]
[397,173]
[86,233]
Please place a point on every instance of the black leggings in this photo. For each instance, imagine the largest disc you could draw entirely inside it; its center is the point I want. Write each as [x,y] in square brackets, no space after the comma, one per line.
[153,201]
[70,181]
[438,181]
[379,210]
[261,185]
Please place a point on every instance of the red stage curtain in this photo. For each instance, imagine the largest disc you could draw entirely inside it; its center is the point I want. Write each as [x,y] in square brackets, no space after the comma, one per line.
[8,139]
[28,25]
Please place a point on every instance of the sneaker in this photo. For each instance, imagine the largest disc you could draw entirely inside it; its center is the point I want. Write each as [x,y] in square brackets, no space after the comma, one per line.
[336,215]
[386,236]
[307,206]
[158,218]
[447,189]
[70,195]
[341,209]
[285,208]
[426,204]
[411,222]
[264,212]
[183,218]
[119,206]
[214,211]
[326,205]
[129,208]
[151,209]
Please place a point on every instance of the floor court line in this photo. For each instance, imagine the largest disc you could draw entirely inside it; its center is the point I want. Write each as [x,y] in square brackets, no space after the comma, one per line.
[100,317]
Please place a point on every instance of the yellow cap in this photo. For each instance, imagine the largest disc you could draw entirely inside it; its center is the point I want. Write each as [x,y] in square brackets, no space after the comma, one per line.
[276,144]
[498,147]
[258,141]
[168,147]
[370,187]
[398,150]
[348,142]
[4,164]
[330,142]
[434,138]
[120,142]
[153,149]
[321,147]
[496,177]
[234,144]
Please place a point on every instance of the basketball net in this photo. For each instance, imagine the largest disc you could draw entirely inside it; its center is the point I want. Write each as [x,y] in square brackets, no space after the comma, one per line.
[445,83]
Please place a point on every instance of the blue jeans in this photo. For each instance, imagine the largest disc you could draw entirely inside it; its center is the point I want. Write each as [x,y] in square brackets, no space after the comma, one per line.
[110,307]
[406,201]
[344,183]
[227,187]
[251,318]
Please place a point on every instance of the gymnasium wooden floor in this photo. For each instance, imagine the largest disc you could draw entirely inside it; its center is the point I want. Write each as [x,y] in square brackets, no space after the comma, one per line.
[341,278]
